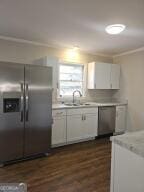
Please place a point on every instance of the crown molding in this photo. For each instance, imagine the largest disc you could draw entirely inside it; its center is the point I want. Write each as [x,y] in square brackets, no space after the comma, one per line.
[129,52]
[98,54]
[23,41]
[18,40]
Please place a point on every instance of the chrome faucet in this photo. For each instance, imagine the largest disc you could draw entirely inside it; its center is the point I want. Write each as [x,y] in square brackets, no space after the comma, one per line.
[76,91]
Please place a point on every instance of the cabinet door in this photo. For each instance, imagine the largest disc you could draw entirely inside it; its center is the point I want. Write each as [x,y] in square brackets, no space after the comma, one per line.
[91,76]
[115,76]
[120,119]
[102,75]
[90,125]
[59,130]
[74,127]
[54,63]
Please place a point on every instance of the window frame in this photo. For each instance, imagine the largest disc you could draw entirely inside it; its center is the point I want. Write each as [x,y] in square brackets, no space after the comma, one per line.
[83,79]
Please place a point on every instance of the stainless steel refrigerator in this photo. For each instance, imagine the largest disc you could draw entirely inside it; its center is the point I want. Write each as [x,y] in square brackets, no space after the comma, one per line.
[25,111]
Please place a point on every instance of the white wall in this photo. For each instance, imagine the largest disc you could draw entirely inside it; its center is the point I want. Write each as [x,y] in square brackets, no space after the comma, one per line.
[27,53]
[132,87]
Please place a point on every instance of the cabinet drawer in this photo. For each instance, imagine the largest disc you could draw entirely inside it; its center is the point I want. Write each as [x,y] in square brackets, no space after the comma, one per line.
[120,108]
[78,111]
[58,112]
[82,111]
[90,110]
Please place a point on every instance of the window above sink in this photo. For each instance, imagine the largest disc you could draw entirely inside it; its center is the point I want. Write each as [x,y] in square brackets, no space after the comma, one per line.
[71,78]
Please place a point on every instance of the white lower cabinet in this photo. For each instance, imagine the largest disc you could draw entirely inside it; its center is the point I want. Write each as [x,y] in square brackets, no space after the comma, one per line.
[120,125]
[91,125]
[73,125]
[82,124]
[74,128]
[59,128]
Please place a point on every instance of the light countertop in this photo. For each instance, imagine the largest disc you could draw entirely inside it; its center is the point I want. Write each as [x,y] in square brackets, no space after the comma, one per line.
[133,141]
[88,105]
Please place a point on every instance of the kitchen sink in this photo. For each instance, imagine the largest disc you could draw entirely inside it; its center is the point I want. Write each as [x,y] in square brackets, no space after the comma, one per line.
[76,104]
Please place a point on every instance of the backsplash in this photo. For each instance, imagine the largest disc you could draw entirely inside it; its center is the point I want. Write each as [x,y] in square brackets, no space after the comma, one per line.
[96,95]
[91,95]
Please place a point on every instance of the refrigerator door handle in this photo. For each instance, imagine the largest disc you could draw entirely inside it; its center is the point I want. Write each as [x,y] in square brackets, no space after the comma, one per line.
[26,102]
[22,102]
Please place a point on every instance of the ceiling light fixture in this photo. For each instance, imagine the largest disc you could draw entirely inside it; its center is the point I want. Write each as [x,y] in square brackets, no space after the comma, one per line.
[76,48]
[72,54]
[115,29]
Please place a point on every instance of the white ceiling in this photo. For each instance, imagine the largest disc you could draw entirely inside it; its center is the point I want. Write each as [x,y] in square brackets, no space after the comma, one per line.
[64,23]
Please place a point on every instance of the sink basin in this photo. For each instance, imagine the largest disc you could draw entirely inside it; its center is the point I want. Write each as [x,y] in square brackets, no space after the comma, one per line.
[76,104]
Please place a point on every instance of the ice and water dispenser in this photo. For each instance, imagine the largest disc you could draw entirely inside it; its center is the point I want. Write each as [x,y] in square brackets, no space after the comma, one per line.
[11,105]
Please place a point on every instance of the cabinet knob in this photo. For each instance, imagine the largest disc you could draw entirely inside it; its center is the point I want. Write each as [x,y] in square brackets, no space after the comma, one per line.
[57,85]
[58,113]
[82,118]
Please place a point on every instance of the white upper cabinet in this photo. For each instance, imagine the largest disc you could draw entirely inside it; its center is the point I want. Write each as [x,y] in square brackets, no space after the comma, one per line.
[115,76]
[103,76]
[91,84]
[51,62]
[54,63]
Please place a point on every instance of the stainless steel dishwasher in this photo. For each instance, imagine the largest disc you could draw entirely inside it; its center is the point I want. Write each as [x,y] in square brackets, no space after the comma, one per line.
[106,122]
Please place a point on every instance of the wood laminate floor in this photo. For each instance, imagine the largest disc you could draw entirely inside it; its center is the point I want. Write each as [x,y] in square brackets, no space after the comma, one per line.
[83,167]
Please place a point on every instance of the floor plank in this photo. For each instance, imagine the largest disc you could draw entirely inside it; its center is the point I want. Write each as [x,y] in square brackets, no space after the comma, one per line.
[83,167]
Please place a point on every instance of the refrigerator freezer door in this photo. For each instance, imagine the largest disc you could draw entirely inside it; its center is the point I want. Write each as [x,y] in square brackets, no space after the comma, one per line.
[38,109]
[11,111]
